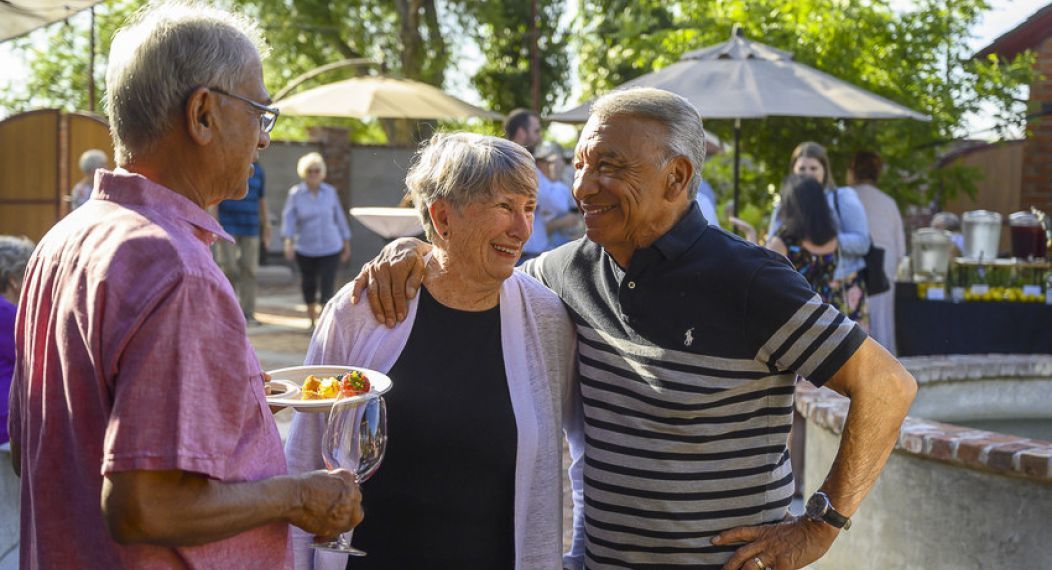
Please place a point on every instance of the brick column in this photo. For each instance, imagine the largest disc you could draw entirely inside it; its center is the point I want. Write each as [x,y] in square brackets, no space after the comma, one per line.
[1037,149]
[336,149]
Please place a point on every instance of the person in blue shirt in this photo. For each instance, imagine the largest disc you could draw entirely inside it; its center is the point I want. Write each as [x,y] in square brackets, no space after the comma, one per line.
[317,235]
[246,220]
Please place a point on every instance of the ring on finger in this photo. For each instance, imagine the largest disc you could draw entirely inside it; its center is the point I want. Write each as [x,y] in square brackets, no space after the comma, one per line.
[759,563]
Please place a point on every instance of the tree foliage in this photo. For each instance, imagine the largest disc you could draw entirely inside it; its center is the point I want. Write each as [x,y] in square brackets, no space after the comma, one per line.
[502,32]
[917,58]
[415,39]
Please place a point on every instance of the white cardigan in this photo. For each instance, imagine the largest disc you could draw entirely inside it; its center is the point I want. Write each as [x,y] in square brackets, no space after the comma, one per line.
[540,353]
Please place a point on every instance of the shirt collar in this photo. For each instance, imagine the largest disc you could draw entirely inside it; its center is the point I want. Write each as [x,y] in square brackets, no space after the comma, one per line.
[684,234]
[131,189]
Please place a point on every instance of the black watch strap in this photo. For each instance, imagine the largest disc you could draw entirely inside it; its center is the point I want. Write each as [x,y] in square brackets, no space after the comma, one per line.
[820,508]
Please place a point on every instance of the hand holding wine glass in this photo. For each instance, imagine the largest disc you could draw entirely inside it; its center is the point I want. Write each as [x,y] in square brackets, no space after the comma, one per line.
[355,439]
[330,502]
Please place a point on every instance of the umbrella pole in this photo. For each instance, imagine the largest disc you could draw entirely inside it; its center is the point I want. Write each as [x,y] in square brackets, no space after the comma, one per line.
[91,63]
[737,163]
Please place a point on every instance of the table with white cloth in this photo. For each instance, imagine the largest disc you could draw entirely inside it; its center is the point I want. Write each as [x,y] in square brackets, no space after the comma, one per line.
[389,223]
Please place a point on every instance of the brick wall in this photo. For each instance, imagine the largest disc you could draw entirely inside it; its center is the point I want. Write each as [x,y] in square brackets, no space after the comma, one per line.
[336,149]
[1037,150]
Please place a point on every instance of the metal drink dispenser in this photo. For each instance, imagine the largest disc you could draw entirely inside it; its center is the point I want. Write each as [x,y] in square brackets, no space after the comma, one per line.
[982,234]
[930,254]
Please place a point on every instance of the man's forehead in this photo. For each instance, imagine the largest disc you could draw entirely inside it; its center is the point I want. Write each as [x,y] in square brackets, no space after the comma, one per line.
[607,135]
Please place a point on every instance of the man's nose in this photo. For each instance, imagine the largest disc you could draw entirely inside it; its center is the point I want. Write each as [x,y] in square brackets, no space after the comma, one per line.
[264,139]
[584,185]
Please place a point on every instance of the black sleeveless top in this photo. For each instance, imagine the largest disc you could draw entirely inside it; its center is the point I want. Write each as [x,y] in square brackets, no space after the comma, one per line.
[444,494]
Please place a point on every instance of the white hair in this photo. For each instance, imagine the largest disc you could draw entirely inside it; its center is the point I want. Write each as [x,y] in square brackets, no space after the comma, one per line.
[681,120]
[164,52]
[462,168]
[307,161]
[14,255]
[92,160]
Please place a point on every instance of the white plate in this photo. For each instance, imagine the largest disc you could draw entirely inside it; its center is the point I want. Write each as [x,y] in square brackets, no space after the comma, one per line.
[292,380]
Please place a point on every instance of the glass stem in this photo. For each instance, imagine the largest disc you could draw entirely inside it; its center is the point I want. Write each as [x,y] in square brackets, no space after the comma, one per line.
[344,540]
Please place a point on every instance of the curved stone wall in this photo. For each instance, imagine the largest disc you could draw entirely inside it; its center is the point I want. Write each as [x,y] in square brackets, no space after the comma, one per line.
[950,496]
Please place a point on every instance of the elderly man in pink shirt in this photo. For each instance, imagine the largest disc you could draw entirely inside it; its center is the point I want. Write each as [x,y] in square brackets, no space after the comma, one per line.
[139,425]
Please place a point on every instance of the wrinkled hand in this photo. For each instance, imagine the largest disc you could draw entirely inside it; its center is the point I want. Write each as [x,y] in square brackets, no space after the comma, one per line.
[787,545]
[392,279]
[330,503]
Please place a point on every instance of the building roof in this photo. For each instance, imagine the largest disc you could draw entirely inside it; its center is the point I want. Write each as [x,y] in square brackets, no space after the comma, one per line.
[1025,36]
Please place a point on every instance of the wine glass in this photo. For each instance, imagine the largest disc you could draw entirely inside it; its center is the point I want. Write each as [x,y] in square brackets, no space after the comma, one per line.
[355,439]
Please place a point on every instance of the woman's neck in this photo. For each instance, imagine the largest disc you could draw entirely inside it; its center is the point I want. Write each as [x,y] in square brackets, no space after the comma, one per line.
[456,290]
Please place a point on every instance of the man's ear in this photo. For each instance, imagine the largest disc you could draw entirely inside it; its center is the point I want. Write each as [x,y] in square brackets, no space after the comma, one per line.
[201,112]
[678,176]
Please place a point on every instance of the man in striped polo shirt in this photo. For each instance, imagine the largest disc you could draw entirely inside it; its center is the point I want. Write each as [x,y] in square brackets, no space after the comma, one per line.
[690,342]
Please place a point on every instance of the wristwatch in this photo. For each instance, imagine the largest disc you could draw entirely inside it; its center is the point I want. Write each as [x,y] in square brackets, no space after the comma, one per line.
[820,509]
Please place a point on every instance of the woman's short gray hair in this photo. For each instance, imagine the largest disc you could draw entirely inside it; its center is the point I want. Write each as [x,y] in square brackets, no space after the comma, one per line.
[686,137]
[164,52]
[92,160]
[14,255]
[307,161]
[462,168]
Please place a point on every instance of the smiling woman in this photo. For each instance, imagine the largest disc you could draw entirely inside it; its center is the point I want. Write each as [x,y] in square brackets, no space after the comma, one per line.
[482,364]
[476,196]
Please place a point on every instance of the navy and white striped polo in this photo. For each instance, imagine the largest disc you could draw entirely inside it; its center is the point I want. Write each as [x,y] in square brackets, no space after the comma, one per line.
[687,367]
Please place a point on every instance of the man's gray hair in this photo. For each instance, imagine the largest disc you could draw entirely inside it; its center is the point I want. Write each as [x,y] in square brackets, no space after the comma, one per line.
[164,52]
[463,168]
[14,255]
[92,160]
[681,120]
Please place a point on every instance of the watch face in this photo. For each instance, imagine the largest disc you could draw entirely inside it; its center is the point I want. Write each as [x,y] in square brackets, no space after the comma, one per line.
[816,506]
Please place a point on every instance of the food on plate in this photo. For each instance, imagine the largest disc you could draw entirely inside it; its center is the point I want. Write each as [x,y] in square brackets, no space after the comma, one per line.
[354,383]
[351,384]
[315,388]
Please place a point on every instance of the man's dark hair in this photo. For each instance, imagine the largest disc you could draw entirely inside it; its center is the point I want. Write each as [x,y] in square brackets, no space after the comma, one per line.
[804,212]
[517,119]
[866,166]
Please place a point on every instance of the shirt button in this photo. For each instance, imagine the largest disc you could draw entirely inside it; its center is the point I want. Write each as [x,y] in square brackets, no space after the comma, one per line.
[631,284]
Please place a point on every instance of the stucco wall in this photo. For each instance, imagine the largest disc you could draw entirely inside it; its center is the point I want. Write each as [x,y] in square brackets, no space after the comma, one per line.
[929,515]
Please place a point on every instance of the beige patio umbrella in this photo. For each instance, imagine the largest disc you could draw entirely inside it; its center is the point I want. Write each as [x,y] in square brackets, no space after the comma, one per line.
[381,97]
[742,79]
[19,17]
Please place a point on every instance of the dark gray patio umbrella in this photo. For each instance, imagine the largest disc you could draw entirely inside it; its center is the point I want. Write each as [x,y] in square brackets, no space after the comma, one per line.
[742,79]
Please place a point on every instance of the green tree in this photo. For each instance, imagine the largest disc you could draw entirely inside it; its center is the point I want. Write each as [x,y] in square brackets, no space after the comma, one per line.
[917,58]
[503,33]
[58,60]
[407,38]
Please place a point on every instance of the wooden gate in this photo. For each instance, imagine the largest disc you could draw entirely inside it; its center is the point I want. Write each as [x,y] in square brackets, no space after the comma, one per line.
[39,155]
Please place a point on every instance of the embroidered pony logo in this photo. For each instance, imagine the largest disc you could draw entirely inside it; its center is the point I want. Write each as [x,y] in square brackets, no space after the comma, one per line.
[688,337]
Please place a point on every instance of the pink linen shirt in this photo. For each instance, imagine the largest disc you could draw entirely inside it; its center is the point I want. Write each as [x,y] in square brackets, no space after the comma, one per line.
[132,355]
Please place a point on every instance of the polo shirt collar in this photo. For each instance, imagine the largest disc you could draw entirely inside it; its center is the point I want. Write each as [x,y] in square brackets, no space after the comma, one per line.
[684,234]
[131,189]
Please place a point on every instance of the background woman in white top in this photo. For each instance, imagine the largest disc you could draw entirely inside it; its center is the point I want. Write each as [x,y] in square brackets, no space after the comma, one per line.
[885,227]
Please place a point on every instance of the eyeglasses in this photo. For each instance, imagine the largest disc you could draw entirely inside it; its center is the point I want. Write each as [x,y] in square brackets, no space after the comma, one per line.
[268,117]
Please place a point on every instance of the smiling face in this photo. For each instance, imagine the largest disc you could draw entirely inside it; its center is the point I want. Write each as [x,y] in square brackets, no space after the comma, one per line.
[812,167]
[623,184]
[485,238]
